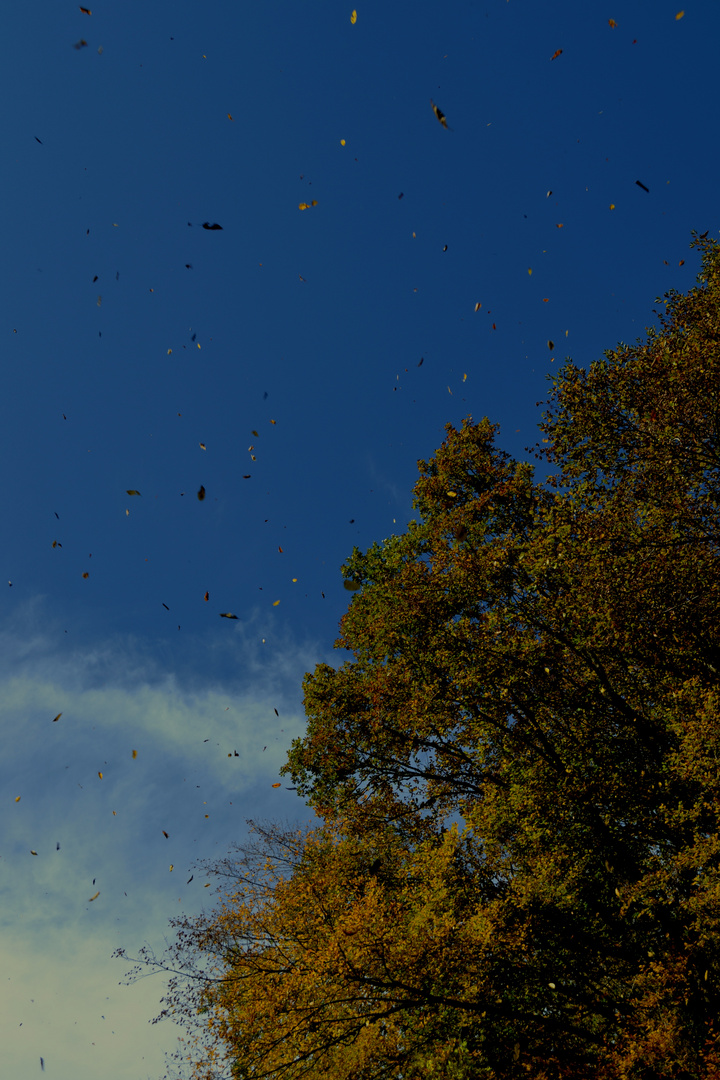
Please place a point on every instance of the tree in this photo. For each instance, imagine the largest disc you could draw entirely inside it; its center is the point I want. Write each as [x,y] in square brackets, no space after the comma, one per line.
[538,663]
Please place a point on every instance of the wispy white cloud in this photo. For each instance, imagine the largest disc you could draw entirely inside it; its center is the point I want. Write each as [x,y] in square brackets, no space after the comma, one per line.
[208,752]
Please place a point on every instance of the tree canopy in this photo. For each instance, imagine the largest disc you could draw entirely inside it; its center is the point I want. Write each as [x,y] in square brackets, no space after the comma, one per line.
[516,772]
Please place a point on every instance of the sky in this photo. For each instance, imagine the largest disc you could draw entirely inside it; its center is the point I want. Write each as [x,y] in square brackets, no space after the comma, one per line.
[291,366]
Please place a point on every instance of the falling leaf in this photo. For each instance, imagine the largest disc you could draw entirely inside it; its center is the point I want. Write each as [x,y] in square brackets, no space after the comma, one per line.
[303,206]
[57,717]
[529,270]
[18,798]
[165,835]
[33,852]
[612,205]
[86,575]
[132,491]
[94,897]
[100,775]
[166,607]
[275,603]
[560,226]
[681,262]
[342,142]
[189,879]
[86,11]
[558,52]
[439,113]
[478,306]
[134,754]
[212,228]
[679,15]
[281,550]
[203,446]
[99,301]
[207,596]
[612,23]
[80,44]
[640,184]
[276,785]
[227,615]
[229,116]
[201,493]
[273,421]
[353,17]
[551,345]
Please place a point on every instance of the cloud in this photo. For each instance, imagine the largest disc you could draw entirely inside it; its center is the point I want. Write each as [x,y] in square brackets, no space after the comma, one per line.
[209,747]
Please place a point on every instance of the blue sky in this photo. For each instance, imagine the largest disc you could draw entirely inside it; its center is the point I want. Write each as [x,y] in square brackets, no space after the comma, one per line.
[276,363]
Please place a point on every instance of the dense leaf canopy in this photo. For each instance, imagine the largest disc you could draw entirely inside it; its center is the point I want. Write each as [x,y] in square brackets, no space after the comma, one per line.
[516,868]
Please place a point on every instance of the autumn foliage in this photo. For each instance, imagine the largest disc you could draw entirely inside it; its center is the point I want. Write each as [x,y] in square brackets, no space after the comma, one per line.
[516,771]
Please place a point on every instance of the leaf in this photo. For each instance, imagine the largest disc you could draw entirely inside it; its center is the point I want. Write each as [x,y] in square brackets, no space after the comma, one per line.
[18,798]
[558,52]
[212,228]
[86,575]
[57,718]
[81,44]
[90,900]
[100,775]
[478,306]
[202,446]
[277,785]
[353,17]
[165,835]
[641,185]
[227,615]
[206,596]
[679,15]
[551,345]
[33,852]
[201,493]
[612,23]
[134,754]
[303,206]
[132,491]
[86,11]
[439,113]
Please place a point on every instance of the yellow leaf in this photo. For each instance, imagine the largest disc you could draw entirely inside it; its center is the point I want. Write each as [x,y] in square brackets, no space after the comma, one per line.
[203,446]
[273,421]
[478,306]
[227,615]
[558,52]
[56,718]
[529,271]
[134,754]
[17,798]
[275,603]
[276,785]
[353,17]
[33,852]
[132,491]
[100,775]
[612,205]
[342,142]
[679,15]
[439,113]
[303,206]
[94,897]
[612,23]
